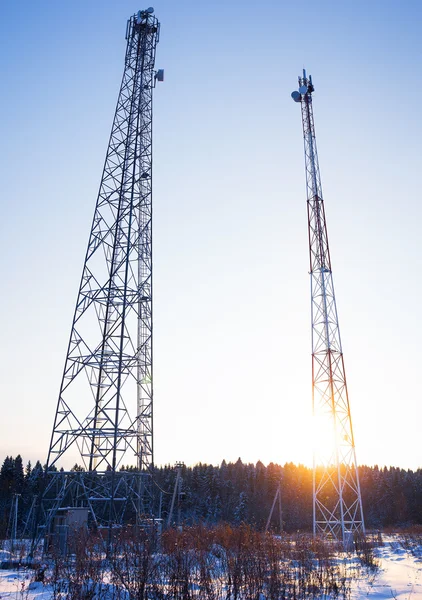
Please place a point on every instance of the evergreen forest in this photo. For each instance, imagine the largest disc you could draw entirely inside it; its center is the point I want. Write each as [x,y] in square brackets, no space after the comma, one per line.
[236,493]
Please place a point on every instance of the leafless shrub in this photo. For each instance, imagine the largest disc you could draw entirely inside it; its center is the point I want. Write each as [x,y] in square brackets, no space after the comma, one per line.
[136,568]
[365,551]
[412,543]
[199,563]
[79,574]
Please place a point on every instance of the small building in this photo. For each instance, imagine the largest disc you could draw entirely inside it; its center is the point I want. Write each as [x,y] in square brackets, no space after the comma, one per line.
[68,524]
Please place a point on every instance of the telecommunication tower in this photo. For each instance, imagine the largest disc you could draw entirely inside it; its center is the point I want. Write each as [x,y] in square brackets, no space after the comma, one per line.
[104,415]
[337,502]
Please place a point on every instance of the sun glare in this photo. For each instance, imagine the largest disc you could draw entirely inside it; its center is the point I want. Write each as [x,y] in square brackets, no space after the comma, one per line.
[322,437]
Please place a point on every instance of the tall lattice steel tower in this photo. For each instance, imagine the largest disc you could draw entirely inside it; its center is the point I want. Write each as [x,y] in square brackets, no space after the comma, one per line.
[104,415]
[337,502]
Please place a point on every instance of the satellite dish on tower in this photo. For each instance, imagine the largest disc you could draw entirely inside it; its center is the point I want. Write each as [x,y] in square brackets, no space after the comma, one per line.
[296,96]
[303,89]
[150,10]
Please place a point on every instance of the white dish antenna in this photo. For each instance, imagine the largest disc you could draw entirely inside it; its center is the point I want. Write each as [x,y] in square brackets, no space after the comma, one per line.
[296,96]
[303,89]
[150,10]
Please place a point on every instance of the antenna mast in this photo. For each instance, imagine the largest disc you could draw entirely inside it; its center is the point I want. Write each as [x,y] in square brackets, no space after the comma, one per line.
[337,502]
[103,419]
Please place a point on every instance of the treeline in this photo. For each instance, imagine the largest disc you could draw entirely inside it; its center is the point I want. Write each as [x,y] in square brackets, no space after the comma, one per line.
[240,493]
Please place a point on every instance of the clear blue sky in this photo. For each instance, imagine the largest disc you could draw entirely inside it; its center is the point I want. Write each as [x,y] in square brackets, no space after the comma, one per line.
[232,317]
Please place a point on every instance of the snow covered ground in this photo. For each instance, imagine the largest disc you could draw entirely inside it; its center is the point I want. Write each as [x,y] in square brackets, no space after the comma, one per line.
[17,585]
[399,577]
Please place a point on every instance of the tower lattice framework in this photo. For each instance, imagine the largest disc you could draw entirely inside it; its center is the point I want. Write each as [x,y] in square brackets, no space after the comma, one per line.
[337,502]
[104,415]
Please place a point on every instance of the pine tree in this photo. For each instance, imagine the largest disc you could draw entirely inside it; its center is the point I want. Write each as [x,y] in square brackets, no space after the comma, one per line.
[241,510]
[18,475]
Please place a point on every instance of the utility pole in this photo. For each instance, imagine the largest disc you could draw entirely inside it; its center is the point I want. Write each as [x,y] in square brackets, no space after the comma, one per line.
[277,496]
[177,490]
[12,530]
[337,502]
